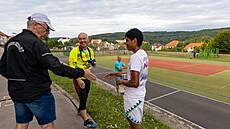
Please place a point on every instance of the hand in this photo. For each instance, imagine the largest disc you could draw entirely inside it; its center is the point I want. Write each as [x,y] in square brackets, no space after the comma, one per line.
[81,83]
[109,76]
[119,82]
[88,75]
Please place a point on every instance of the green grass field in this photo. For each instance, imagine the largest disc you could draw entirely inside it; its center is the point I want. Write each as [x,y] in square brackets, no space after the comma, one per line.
[106,108]
[216,86]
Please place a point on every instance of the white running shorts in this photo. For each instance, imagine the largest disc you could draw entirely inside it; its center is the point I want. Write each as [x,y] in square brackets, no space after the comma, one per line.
[134,110]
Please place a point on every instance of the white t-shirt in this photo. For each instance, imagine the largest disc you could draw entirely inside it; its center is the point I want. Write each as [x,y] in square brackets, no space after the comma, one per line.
[138,62]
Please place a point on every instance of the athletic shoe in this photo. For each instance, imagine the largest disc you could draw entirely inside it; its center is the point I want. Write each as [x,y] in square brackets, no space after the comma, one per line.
[90,124]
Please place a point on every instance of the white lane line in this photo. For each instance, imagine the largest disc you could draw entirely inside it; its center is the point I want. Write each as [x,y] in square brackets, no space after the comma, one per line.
[164,95]
[151,106]
[215,100]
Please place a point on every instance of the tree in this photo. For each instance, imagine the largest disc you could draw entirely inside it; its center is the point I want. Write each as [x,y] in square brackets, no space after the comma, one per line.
[59,45]
[146,46]
[121,47]
[222,41]
[197,49]
[180,46]
[114,42]
[211,43]
[70,43]
[49,42]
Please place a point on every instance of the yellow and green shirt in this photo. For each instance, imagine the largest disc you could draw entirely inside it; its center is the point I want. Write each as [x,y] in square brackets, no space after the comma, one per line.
[78,59]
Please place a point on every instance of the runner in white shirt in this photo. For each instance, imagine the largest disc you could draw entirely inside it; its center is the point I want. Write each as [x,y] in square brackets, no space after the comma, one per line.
[137,77]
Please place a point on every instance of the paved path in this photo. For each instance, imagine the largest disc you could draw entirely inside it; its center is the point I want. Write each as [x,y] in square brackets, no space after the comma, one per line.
[201,111]
[67,117]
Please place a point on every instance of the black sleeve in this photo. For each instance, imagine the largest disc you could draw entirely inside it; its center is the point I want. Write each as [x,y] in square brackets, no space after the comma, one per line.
[3,70]
[48,61]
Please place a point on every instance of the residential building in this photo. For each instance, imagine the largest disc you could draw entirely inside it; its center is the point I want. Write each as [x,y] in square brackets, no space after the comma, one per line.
[157,46]
[96,41]
[120,41]
[172,44]
[64,39]
[116,46]
[191,46]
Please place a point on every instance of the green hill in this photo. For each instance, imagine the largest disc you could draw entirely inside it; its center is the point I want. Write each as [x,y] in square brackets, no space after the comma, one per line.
[163,37]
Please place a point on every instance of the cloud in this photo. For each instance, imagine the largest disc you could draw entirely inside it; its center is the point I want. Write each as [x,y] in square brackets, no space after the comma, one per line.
[106,16]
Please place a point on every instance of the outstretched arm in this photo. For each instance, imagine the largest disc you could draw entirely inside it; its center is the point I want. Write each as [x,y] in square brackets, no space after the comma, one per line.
[113,75]
[133,82]
[88,75]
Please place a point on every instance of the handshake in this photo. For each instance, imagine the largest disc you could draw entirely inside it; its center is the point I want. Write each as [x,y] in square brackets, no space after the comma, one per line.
[88,75]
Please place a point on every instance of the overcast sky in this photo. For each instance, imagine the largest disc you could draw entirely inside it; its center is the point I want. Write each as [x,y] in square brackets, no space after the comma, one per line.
[69,17]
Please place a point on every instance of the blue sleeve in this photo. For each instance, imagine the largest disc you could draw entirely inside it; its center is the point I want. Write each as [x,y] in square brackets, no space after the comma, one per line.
[123,64]
[116,65]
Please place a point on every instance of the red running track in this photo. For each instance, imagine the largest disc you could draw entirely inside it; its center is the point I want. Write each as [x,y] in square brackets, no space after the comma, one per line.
[188,67]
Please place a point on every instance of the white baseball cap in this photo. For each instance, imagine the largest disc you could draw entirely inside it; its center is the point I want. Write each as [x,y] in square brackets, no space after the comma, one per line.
[41,18]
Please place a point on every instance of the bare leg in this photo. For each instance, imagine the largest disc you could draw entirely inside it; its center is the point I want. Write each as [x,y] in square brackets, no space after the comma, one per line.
[134,126]
[48,126]
[84,114]
[117,89]
[22,126]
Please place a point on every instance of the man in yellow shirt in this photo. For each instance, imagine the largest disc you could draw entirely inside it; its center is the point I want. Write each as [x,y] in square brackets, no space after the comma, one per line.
[83,57]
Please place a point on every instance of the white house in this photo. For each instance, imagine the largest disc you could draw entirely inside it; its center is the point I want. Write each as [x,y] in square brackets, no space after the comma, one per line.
[157,46]
[63,40]
[191,46]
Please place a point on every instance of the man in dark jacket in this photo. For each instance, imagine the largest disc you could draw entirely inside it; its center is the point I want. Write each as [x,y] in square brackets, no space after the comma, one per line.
[25,63]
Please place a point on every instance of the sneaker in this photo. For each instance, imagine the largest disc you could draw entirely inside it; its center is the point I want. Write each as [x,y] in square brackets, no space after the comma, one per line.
[90,124]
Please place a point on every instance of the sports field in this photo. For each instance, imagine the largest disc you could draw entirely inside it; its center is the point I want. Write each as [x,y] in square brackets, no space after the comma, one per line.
[187,67]
[207,78]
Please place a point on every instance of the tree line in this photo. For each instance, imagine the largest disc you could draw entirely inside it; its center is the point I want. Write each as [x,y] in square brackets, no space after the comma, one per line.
[211,38]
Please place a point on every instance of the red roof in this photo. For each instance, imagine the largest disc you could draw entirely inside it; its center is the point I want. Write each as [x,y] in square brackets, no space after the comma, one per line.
[95,41]
[172,43]
[192,45]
